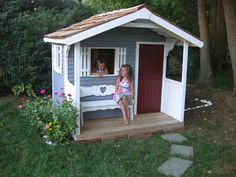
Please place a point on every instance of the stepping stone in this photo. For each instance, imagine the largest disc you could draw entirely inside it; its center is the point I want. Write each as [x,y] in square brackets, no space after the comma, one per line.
[175,167]
[174,137]
[185,151]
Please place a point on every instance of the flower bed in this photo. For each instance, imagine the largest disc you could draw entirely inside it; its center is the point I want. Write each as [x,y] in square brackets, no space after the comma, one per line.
[56,121]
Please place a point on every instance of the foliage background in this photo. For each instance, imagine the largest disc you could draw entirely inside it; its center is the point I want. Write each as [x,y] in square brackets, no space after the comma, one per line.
[25,58]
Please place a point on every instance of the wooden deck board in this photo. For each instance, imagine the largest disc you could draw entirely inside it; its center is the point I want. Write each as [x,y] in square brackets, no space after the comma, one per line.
[113,128]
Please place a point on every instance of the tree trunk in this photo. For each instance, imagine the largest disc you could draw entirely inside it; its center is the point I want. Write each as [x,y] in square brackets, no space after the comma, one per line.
[218,36]
[205,75]
[230,21]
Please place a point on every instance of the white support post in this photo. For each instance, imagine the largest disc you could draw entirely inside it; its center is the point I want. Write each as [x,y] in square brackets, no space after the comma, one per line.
[53,83]
[169,45]
[65,67]
[184,77]
[77,81]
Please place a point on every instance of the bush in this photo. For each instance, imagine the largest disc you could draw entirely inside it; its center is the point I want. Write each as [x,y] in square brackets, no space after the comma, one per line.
[25,57]
[56,121]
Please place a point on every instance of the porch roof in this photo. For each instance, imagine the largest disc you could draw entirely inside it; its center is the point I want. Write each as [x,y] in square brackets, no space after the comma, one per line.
[138,16]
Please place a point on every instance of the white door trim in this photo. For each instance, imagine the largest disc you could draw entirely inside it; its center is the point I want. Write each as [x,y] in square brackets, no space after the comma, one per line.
[137,69]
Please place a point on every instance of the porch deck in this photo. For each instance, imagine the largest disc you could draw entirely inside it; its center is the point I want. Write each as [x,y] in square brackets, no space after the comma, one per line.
[112,129]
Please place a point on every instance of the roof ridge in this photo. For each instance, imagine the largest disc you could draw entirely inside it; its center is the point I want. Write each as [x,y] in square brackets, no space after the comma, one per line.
[138,7]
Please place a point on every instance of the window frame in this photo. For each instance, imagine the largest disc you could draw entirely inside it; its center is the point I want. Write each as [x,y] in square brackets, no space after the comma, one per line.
[116,60]
[57,58]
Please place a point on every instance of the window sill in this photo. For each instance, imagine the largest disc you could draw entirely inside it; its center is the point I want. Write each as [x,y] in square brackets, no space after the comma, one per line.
[107,75]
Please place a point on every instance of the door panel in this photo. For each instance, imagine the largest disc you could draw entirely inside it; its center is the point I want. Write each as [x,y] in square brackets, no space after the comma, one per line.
[150,78]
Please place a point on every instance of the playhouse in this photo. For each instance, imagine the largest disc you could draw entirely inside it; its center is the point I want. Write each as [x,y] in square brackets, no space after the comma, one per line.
[135,36]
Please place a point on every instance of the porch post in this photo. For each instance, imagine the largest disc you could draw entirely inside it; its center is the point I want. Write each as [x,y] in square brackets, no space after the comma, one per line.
[77,81]
[184,77]
[65,68]
[169,45]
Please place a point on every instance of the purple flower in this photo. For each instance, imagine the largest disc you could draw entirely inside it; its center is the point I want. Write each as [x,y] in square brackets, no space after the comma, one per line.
[69,94]
[62,95]
[56,93]
[43,91]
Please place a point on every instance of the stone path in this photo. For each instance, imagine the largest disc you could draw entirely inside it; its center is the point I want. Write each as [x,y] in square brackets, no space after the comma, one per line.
[175,166]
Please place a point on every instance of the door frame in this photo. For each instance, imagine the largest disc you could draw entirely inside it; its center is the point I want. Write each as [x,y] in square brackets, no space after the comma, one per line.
[137,68]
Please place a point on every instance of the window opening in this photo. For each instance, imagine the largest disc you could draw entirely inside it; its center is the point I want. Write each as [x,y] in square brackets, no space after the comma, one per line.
[102,59]
[175,63]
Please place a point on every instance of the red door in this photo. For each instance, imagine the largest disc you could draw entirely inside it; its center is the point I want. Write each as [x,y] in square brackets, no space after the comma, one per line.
[150,78]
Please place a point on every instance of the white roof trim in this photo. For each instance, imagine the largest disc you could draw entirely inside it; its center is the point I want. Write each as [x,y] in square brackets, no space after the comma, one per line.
[143,13]
[56,41]
[177,31]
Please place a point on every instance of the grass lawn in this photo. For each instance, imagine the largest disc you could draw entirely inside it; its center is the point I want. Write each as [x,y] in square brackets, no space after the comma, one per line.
[22,152]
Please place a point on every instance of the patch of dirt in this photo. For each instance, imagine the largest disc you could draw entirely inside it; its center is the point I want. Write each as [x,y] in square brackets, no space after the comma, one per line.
[218,121]
[7,98]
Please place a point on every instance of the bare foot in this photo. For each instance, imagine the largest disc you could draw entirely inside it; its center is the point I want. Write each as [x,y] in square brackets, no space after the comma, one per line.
[126,121]
[128,113]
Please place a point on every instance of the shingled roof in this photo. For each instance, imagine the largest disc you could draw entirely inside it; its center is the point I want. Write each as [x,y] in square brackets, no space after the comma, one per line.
[109,20]
[92,22]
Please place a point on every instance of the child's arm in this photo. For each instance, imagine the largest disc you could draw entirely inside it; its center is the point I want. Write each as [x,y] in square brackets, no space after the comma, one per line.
[132,89]
[117,85]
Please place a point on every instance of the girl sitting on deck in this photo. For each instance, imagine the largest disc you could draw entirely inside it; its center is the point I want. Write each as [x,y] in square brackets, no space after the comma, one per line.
[124,91]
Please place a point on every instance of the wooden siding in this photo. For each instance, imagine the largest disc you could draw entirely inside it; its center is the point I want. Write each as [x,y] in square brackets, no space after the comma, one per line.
[71,64]
[144,125]
[118,37]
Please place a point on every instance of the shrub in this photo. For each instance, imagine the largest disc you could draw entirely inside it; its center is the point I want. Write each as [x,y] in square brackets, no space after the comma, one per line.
[56,121]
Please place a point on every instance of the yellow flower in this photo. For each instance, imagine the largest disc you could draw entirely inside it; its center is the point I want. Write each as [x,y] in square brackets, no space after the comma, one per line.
[50,129]
[50,124]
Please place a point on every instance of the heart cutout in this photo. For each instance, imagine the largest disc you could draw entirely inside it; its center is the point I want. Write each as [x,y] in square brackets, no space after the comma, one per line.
[102,89]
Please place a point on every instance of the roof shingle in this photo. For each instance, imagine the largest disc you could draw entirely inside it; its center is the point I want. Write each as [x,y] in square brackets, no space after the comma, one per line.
[92,22]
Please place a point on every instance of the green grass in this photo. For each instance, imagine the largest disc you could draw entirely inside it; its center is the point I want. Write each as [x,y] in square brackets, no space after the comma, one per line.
[22,153]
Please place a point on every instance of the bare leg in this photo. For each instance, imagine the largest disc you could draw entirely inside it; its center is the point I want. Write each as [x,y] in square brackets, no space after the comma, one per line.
[123,109]
[126,104]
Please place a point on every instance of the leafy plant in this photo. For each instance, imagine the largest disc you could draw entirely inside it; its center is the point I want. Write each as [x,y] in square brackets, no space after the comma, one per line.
[21,88]
[57,122]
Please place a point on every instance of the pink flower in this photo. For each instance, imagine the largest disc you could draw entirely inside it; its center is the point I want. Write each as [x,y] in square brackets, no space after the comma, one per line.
[43,91]
[27,101]
[49,96]
[47,126]
[20,107]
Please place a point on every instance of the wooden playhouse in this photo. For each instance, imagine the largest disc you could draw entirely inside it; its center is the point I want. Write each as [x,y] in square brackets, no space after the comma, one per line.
[135,36]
